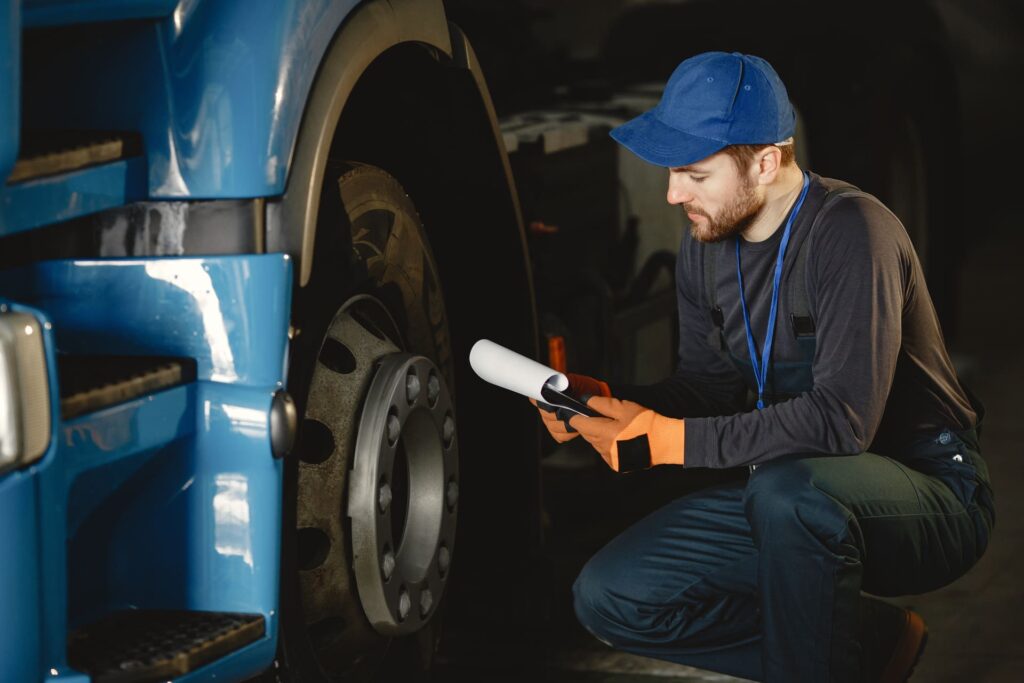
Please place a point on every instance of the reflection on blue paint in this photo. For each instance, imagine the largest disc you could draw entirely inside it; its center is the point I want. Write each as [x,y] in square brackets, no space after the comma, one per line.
[247,421]
[232,535]
[193,277]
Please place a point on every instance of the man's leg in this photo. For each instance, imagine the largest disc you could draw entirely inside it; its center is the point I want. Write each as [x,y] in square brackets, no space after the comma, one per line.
[680,585]
[825,527]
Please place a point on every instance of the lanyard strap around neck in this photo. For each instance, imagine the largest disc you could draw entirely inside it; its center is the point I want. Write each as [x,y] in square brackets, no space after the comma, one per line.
[761,369]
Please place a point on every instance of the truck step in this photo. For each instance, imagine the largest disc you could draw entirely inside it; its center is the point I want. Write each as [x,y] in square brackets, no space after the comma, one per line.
[89,383]
[52,152]
[138,646]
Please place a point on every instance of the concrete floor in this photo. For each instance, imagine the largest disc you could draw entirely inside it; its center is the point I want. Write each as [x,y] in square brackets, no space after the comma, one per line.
[975,624]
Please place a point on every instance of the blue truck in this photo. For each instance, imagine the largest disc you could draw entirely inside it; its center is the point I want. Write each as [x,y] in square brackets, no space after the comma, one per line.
[245,246]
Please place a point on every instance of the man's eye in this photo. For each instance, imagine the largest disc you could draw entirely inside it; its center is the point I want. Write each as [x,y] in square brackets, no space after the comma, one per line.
[698,178]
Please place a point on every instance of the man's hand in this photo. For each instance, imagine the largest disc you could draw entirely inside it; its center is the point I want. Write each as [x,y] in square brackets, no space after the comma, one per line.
[556,427]
[631,437]
[579,386]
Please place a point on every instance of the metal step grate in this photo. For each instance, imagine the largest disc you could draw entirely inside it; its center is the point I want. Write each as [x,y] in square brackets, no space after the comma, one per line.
[46,153]
[89,383]
[139,646]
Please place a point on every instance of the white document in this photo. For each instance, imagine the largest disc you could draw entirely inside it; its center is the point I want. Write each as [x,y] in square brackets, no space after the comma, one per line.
[509,370]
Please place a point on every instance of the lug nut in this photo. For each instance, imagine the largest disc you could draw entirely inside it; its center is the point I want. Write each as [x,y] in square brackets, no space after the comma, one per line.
[426,602]
[433,388]
[412,387]
[384,497]
[448,430]
[387,564]
[404,605]
[444,559]
[452,494]
[394,429]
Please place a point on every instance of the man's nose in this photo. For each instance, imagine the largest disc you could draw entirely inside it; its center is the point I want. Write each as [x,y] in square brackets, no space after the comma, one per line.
[677,194]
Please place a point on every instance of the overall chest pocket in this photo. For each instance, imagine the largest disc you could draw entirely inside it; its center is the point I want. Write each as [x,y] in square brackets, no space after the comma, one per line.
[786,379]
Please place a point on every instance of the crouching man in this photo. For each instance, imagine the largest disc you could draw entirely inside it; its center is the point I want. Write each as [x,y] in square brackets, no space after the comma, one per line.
[811,353]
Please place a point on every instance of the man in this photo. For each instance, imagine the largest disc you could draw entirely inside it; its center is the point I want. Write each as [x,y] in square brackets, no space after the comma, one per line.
[811,353]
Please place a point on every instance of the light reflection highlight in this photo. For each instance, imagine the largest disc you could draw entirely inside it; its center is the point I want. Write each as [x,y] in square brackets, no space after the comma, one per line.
[182,13]
[248,421]
[232,535]
[193,278]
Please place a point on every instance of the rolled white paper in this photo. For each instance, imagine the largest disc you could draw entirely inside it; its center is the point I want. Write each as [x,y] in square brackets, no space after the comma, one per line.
[509,370]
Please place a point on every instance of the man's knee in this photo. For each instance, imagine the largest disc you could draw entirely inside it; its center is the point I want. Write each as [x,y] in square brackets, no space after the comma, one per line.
[613,603]
[782,498]
[618,609]
[592,600]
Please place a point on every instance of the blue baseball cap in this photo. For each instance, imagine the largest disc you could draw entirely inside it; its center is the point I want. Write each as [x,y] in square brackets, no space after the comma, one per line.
[711,101]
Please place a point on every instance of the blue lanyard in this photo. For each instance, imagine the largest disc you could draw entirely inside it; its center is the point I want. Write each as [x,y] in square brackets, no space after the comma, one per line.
[761,370]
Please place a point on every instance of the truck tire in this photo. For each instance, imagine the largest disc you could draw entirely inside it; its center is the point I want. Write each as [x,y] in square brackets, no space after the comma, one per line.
[372,489]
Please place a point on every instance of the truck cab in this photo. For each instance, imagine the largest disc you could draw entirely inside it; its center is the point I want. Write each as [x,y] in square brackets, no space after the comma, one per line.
[235,315]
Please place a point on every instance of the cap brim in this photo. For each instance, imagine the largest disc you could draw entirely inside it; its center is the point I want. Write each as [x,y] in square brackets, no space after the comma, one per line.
[661,145]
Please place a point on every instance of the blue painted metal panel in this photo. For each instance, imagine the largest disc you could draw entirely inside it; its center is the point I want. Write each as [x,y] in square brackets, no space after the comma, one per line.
[237,494]
[215,310]
[10,89]
[63,12]
[197,526]
[217,90]
[20,581]
[62,197]
[101,451]
[168,501]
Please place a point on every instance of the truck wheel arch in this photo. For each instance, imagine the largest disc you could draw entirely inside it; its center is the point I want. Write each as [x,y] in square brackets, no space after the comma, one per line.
[378,39]
[466,197]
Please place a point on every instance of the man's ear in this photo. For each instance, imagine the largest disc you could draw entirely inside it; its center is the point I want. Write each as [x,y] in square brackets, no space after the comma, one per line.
[769,161]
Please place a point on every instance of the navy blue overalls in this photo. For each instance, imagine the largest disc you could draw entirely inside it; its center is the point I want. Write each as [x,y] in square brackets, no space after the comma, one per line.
[762,578]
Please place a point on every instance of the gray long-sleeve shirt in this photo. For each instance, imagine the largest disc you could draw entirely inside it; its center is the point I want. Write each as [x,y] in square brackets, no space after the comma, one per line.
[882,376]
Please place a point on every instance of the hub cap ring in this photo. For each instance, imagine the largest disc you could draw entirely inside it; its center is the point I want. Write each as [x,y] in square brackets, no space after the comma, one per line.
[395,574]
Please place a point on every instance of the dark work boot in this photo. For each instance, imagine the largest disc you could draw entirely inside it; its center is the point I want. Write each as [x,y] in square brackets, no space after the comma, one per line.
[892,640]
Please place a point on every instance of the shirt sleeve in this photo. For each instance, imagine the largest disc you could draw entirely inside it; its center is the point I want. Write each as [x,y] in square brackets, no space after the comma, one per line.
[858,273]
[703,383]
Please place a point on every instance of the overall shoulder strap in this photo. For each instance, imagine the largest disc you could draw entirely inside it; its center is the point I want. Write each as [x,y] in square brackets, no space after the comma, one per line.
[796,293]
[709,256]
[800,310]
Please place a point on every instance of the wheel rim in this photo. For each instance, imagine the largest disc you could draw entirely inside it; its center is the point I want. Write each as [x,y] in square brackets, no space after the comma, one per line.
[341,523]
[401,553]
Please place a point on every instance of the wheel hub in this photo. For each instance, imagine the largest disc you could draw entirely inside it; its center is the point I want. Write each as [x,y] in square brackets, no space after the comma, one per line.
[377,445]
[403,494]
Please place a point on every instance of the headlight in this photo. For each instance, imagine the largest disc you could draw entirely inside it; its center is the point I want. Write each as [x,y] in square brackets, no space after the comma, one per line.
[24,391]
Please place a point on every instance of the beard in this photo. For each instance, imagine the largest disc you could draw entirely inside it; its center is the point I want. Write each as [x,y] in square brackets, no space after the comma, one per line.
[736,217]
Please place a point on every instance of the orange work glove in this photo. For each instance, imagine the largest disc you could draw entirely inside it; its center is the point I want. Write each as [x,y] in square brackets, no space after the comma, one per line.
[631,437]
[580,386]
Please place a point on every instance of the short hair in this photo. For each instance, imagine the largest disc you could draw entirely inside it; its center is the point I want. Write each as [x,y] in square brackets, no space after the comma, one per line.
[743,155]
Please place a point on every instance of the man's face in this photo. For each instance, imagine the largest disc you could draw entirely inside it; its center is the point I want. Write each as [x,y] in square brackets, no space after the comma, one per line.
[719,200]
